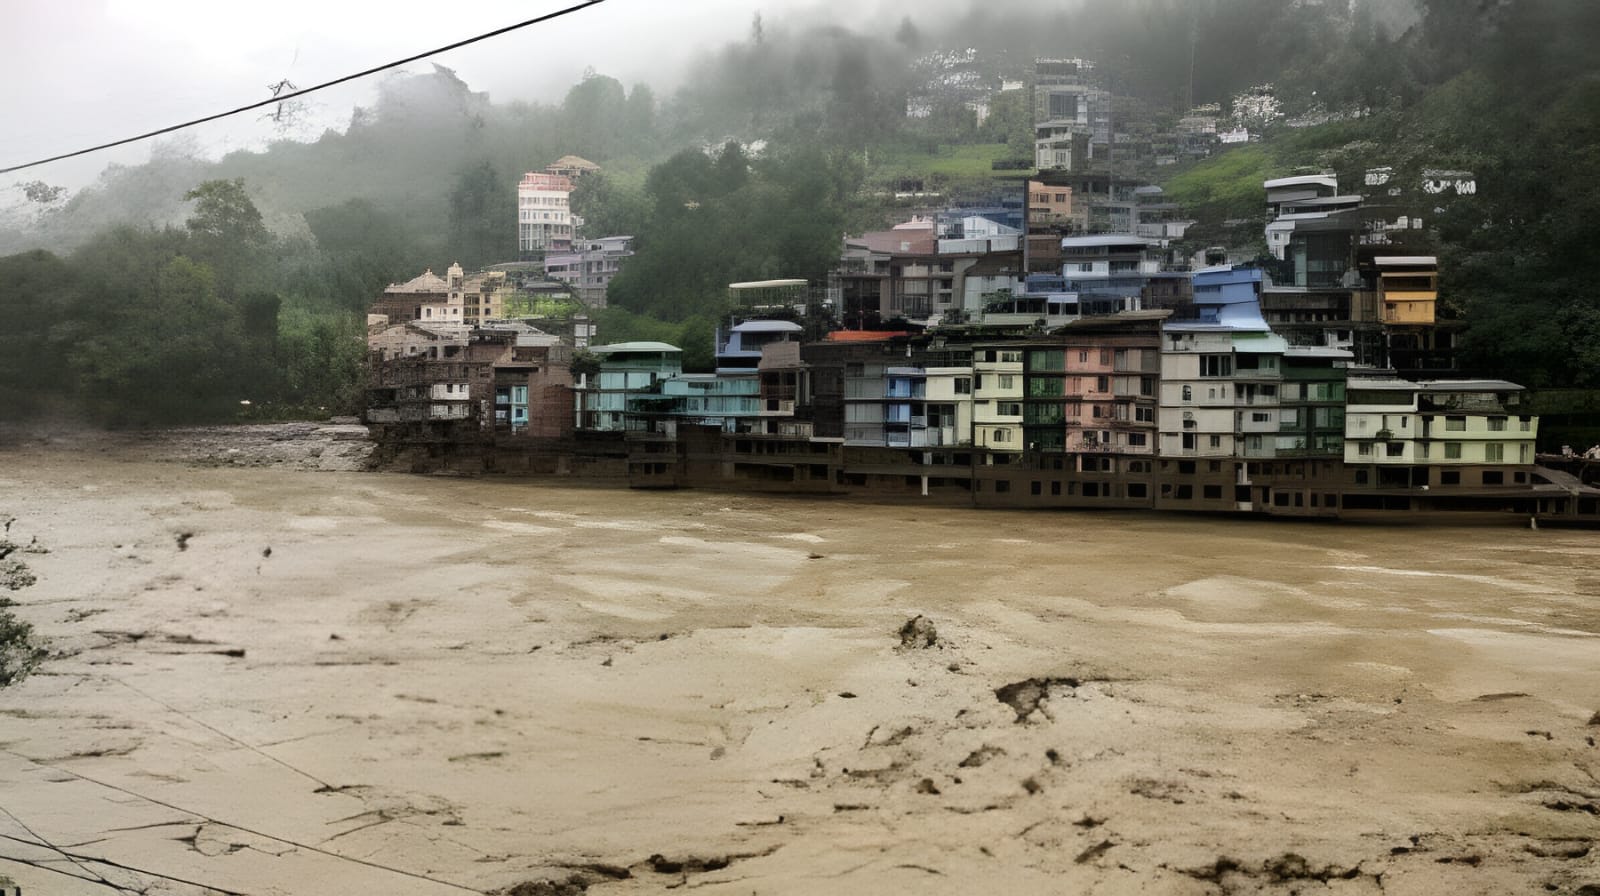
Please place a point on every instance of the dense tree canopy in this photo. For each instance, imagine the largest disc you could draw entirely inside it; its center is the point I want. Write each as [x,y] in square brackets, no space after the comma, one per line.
[266,259]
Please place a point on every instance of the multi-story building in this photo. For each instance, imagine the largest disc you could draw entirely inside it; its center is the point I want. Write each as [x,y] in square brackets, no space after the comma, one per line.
[544,213]
[589,266]
[740,350]
[909,274]
[1311,402]
[507,377]
[1071,112]
[1221,372]
[997,396]
[927,407]
[627,369]
[426,297]
[1310,226]
[1092,387]
[1400,433]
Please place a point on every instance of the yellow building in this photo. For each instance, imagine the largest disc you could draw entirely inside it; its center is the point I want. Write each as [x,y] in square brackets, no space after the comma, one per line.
[1408,289]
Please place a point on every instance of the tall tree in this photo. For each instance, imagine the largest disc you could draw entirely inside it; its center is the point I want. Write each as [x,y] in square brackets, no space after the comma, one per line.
[227,231]
[483,214]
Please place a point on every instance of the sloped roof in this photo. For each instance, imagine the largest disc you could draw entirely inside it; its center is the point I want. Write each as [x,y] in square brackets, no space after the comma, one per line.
[427,281]
[577,162]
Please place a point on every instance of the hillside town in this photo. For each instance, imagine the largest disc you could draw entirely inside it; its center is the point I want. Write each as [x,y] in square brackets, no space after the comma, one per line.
[1054,345]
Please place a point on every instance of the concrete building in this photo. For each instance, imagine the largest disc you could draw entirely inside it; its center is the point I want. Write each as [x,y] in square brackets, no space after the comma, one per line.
[426,297]
[544,213]
[740,350]
[1092,386]
[1436,432]
[589,266]
[1221,372]
[1307,205]
[909,274]
[627,369]
[998,384]
[509,377]
[1071,112]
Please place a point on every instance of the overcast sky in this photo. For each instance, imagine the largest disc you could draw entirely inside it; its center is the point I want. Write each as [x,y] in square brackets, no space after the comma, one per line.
[82,72]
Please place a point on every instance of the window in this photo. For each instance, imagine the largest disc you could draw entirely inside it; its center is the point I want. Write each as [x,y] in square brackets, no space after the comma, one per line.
[1455,424]
[1002,435]
[1452,450]
[1494,452]
[1144,415]
[1188,441]
[963,385]
[1260,417]
[1083,357]
[1364,450]
[1216,441]
[1102,384]
[1394,449]
[1188,393]
[1007,381]
[1136,440]
[1216,365]
[1497,424]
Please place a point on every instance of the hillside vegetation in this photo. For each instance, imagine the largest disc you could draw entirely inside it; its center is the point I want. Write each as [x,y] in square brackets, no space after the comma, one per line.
[776,146]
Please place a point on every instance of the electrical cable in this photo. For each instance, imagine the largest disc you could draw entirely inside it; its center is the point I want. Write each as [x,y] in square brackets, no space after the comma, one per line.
[289,96]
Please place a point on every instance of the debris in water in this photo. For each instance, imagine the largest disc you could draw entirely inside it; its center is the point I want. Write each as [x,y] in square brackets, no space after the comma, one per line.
[918,631]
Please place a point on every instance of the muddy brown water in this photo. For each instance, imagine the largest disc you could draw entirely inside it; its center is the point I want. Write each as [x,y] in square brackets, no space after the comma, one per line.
[272,681]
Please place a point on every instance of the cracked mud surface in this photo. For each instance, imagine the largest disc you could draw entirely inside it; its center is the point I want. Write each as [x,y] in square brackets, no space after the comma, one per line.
[271,681]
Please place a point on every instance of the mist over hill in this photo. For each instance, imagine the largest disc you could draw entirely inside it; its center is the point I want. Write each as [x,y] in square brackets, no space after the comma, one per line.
[777,144]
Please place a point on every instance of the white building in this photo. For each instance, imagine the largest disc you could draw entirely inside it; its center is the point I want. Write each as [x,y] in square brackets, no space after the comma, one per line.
[544,212]
[1455,422]
[997,383]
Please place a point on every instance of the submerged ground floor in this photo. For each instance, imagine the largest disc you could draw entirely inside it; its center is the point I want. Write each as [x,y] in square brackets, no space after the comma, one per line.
[706,457]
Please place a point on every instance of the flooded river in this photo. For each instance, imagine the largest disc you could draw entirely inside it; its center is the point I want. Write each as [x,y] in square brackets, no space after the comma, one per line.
[277,681]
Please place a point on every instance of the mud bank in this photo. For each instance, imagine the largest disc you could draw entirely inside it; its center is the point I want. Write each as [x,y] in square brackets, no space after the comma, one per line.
[268,680]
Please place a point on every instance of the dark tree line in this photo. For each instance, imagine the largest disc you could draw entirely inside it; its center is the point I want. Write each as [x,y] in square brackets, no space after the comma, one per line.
[159,325]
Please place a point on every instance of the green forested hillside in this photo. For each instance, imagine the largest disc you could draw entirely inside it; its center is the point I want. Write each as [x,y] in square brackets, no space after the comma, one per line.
[775,146]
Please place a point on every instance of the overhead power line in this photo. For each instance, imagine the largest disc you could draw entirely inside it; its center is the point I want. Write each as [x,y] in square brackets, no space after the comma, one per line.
[313,89]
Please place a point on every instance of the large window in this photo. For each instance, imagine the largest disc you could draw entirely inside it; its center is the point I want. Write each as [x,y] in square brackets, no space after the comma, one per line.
[1455,424]
[1494,452]
[1216,365]
[1452,450]
[1047,360]
[1045,387]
